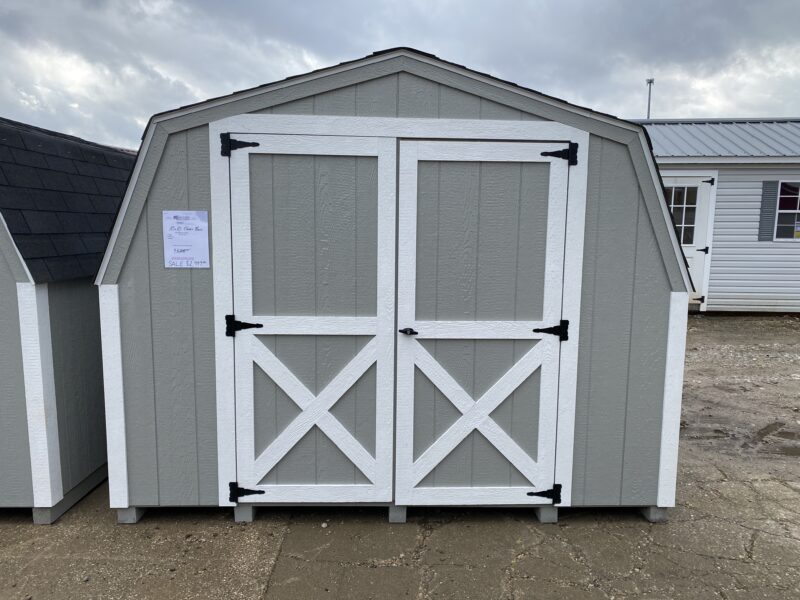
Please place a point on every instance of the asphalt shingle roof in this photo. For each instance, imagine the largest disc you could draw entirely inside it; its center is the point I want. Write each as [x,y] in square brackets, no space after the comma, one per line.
[59,196]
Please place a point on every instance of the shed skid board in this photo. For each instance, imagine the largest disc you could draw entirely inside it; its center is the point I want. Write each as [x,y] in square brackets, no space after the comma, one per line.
[47,516]
[37,365]
[114,396]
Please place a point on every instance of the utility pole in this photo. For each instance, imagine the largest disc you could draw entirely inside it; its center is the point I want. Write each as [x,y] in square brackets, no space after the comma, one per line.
[650,83]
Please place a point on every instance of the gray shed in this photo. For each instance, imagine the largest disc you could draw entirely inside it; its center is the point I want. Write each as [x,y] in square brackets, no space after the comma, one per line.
[58,198]
[397,282]
[734,189]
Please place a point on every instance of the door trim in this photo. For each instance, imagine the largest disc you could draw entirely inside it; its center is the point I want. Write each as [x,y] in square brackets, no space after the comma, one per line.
[393,128]
[712,206]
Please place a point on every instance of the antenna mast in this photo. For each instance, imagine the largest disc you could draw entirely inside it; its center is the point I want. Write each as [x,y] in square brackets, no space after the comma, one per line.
[650,83]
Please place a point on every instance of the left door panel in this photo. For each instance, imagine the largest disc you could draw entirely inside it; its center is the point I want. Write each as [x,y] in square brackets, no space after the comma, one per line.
[313,224]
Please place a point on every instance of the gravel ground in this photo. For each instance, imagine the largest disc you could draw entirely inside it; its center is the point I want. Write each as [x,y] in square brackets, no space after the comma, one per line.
[734,535]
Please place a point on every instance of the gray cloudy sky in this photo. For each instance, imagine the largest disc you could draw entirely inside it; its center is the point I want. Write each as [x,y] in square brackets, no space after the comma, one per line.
[100,68]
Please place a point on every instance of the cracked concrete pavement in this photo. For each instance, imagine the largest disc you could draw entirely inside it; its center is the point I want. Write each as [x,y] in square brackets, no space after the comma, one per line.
[734,535]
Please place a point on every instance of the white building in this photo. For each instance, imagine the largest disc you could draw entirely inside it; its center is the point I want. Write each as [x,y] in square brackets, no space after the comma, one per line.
[733,188]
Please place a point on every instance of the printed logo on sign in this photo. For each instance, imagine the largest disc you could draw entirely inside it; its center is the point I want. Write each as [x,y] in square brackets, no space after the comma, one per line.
[186,239]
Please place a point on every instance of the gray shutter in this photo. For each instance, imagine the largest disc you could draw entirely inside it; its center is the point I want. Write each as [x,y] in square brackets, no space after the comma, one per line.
[769,204]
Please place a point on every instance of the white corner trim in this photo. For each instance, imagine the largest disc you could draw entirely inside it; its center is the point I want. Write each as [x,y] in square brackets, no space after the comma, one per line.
[110,334]
[673,391]
[571,311]
[40,394]
[222,275]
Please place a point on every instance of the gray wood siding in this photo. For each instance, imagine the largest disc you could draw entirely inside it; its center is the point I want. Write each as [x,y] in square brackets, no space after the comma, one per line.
[747,274]
[168,351]
[168,345]
[15,462]
[401,95]
[78,374]
[622,348]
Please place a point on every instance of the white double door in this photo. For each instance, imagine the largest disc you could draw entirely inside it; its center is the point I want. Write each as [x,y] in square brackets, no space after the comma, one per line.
[339,243]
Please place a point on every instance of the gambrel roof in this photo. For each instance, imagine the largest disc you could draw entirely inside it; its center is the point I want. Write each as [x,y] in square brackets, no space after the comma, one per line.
[59,196]
[375,66]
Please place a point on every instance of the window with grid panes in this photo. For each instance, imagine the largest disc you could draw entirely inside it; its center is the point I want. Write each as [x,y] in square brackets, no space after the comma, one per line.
[683,206]
[787,223]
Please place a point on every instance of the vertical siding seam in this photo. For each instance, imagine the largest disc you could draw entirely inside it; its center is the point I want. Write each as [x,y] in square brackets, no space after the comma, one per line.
[191,320]
[397,95]
[516,300]
[473,435]
[639,201]
[144,216]
[596,224]
[274,295]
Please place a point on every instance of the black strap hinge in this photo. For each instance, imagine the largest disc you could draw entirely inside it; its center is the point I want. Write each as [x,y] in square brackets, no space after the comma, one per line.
[228,144]
[570,153]
[232,325]
[704,250]
[554,494]
[561,330]
[237,492]
[711,181]
[701,299]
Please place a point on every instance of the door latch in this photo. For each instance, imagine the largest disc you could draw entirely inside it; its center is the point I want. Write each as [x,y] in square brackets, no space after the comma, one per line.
[408,331]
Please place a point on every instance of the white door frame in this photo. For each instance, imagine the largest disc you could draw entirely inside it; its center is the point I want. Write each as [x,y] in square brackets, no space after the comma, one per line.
[392,129]
[701,286]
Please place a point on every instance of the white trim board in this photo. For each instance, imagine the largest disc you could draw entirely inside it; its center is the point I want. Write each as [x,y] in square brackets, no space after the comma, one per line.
[111,338]
[673,392]
[40,394]
[571,311]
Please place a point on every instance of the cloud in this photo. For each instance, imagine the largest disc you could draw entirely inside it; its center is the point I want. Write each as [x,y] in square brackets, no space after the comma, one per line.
[100,68]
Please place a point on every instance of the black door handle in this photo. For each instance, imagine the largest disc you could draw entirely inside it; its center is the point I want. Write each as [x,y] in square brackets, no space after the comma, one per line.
[408,331]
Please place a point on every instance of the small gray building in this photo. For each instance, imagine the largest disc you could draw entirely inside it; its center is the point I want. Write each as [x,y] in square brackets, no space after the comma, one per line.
[733,186]
[58,199]
[399,282]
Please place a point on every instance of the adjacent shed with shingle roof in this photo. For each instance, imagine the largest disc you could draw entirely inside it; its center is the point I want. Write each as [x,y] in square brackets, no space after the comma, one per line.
[59,196]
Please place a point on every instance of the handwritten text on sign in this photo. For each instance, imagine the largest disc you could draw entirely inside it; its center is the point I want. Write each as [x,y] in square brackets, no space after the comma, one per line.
[186,239]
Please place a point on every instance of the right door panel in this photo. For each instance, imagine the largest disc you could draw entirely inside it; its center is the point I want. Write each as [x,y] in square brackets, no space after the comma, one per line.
[480,266]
